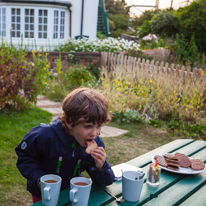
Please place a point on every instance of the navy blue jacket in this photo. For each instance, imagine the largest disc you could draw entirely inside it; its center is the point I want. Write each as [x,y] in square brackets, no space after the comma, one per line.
[48,149]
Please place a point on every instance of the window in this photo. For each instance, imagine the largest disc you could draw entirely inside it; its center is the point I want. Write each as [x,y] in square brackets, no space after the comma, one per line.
[42,24]
[62,20]
[15,22]
[29,23]
[55,33]
[2,21]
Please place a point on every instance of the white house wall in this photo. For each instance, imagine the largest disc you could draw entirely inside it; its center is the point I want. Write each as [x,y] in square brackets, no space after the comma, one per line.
[89,19]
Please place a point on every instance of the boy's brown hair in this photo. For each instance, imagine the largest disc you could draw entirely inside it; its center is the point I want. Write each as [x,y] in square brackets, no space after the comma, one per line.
[84,104]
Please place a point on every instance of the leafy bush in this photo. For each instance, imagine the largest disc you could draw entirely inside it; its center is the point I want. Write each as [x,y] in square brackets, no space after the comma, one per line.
[77,76]
[20,82]
[192,22]
[186,51]
[164,24]
[129,116]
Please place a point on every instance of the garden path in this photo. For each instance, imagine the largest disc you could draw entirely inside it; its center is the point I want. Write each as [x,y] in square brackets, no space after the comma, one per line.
[56,109]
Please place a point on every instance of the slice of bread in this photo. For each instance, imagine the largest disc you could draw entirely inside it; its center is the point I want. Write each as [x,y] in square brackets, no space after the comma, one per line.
[90,146]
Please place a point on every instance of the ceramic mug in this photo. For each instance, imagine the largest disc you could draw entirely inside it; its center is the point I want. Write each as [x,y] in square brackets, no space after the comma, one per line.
[80,191]
[50,189]
[132,185]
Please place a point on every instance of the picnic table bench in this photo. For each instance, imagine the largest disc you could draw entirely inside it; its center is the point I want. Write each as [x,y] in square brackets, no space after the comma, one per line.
[174,188]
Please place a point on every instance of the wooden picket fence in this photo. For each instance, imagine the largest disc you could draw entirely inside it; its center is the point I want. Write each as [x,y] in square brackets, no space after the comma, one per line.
[111,60]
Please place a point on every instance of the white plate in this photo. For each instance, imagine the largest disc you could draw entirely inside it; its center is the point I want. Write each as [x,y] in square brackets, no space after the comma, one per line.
[181,170]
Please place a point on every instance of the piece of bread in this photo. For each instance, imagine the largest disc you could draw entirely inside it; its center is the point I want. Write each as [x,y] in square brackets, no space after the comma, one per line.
[90,146]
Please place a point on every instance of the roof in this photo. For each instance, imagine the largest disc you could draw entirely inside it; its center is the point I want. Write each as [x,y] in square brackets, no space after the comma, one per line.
[54,2]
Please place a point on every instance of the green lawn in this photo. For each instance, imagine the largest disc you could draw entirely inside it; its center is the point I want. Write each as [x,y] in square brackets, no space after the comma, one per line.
[13,126]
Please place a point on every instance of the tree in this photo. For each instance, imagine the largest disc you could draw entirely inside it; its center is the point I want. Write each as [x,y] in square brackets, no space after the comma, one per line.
[192,21]
[165,24]
[116,7]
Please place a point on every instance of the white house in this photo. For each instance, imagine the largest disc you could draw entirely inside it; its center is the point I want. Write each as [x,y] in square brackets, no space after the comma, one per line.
[47,21]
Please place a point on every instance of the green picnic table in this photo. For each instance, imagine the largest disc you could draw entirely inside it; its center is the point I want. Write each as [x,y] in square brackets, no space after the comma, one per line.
[174,188]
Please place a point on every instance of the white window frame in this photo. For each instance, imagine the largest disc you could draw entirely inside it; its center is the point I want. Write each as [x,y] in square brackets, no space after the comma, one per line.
[56,24]
[3,21]
[22,28]
[62,25]
[31,22]
[16,30]
[43,24]
[59,24]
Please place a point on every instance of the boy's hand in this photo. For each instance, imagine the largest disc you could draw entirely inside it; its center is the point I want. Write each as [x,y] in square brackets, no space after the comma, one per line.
[99,156]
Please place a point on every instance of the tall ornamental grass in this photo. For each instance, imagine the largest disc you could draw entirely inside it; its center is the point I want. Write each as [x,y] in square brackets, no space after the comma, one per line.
[154,95]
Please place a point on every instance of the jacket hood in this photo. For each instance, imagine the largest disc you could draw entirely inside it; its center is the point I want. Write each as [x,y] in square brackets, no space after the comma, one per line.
[66,138]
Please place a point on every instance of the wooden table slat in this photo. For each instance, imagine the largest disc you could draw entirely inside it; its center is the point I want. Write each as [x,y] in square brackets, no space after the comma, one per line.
[198,198]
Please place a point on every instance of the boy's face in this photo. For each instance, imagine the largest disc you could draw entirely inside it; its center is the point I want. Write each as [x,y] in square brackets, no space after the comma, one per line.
[84,132]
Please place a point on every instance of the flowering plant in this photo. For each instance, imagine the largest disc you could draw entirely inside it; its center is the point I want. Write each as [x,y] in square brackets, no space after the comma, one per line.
[99,45]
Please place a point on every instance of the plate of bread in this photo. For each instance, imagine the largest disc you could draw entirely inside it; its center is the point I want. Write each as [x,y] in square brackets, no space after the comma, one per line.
[179,163]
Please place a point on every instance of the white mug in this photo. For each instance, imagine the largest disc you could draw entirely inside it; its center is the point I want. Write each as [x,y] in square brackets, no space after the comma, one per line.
[50,189]
[79,194]
[132,185]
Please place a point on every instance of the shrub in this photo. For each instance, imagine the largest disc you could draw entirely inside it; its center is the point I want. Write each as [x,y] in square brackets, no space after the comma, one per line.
[77,76]
[192,22]
[186,51]
[20,82]
[165,24]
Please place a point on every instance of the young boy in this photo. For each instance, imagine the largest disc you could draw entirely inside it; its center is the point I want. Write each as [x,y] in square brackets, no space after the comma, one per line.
[59,147]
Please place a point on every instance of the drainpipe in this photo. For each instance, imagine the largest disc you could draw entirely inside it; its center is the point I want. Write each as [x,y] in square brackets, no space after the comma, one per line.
[82,17]
[70,22]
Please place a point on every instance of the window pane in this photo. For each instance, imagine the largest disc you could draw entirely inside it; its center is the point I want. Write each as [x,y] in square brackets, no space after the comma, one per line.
[45,35]
[18,18]
[31,34]
[40,12]
[18,11]
[18,27]
[45,20]
[40,35]
[18,34]
[45,12]
[32,27]
[13,11]
[13,18]
[13,33]
[31,19]
[4,18]
[32,12]
[3,11]
[4,26]
[26,34]
[45,28]
[26,27]
[27,19]
[40,20]
[26,11]
[40,27]
[13,26]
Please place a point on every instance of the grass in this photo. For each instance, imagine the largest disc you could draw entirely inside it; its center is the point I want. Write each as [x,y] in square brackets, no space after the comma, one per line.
[13,126]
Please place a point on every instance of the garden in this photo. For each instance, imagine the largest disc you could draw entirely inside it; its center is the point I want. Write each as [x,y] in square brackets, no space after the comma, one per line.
[155,106]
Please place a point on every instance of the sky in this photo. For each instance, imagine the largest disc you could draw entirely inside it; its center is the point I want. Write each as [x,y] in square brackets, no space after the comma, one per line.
[162,5]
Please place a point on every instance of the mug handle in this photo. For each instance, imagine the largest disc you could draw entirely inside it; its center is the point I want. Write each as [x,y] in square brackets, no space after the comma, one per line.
[72,195]
[46,193]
